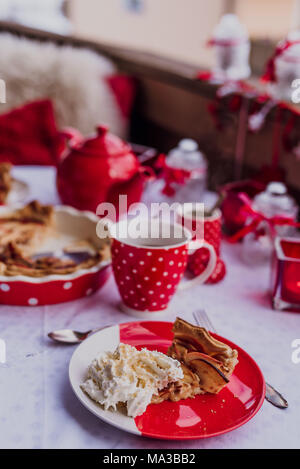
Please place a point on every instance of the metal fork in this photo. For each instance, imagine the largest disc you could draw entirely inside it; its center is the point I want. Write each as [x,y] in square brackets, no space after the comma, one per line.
[272,396]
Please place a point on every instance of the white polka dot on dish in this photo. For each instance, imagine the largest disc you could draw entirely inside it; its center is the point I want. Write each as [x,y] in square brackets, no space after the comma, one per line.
[32,301]
[4,287]
[67,285]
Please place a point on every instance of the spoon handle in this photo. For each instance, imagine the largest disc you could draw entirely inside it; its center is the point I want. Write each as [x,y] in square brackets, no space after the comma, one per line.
[275,398]
[99,329]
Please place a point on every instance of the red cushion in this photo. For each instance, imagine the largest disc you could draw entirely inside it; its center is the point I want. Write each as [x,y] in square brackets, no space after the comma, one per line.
[124,90]
[29,135]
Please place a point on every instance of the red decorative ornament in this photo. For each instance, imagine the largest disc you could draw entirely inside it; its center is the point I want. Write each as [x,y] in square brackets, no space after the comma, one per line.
[198,261]
[219,272]
[270,72]
[97,170]
[234,216]
[172,176]
[256,218]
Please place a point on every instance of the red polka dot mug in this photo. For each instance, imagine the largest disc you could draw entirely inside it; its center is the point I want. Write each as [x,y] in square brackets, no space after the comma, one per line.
[209,226]
[148,268]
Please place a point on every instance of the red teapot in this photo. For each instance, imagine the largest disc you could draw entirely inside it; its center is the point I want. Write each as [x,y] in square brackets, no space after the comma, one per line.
[99,169]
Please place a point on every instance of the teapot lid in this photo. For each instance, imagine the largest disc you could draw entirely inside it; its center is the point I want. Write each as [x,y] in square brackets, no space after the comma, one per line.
[104,144]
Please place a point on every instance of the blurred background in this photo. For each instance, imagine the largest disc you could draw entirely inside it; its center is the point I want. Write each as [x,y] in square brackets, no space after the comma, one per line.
[160,100]
[155,64]
[173,28]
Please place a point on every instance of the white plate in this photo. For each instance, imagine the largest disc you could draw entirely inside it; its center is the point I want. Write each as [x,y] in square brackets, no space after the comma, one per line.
[105,340]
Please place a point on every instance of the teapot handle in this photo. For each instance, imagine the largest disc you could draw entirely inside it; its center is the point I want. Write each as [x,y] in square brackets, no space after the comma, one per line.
[71,137]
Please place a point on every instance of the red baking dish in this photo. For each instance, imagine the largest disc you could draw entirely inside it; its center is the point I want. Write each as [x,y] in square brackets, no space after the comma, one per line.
[70,224]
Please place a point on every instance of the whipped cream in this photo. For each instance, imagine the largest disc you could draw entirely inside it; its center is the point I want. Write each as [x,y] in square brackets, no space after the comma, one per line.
[130,376]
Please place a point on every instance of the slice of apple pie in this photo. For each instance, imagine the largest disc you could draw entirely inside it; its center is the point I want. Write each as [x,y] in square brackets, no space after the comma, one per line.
[207,363]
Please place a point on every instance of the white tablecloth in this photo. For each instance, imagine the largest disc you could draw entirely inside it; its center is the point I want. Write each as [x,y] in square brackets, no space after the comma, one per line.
[38,408]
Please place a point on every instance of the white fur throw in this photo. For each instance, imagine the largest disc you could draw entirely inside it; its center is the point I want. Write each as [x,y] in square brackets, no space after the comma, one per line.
[74,79]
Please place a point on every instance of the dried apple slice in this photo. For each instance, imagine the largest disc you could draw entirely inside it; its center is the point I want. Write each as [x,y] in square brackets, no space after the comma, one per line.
[202,356]
[210,359]
[212,379]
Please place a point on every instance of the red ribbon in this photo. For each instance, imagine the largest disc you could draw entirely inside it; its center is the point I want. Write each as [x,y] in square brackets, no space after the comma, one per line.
[270,74]
[171,175]
[257,218]
[226,42]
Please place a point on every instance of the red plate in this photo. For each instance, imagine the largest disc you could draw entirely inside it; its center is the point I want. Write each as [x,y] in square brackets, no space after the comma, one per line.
[205,415]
